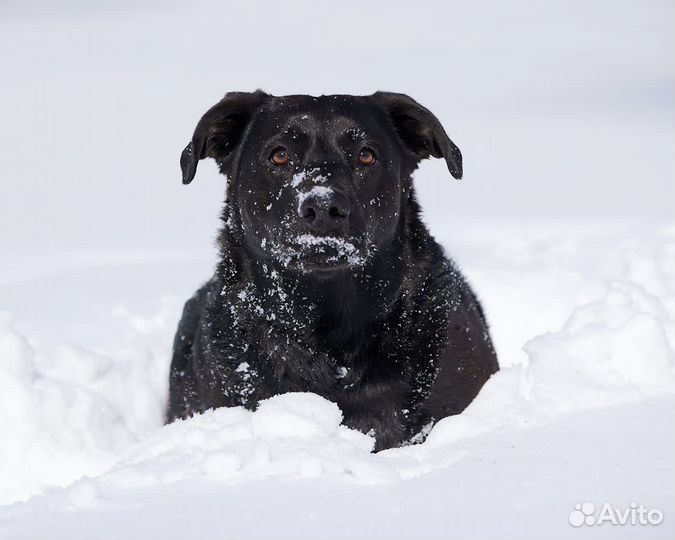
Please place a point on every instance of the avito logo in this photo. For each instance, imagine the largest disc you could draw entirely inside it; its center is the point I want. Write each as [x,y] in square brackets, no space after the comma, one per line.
[585,514]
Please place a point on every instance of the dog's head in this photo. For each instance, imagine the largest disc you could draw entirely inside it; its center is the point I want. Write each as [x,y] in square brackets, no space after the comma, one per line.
[318,183]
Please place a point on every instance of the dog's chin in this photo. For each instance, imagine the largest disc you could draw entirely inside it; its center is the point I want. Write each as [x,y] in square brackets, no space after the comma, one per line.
[321,255]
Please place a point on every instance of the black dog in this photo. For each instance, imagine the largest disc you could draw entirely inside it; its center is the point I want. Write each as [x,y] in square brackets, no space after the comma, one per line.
[328,280]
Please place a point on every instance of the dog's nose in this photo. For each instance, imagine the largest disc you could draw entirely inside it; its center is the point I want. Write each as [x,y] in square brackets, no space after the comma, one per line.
[325,212]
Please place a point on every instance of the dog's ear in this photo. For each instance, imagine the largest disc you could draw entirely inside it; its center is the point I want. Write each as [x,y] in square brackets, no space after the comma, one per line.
[420,130]
[220,130]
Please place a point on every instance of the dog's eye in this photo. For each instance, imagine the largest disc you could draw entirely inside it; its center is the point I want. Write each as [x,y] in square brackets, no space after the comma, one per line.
[366,156]
[280,157]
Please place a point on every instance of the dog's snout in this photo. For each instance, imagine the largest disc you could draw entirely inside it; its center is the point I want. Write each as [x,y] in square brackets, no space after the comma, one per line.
[325,213]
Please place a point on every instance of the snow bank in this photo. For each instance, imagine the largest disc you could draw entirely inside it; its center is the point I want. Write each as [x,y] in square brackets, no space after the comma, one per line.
[295,435]
[608,351]
[84,412]
[615,350]
[511,483]
[70,414]
[52,432]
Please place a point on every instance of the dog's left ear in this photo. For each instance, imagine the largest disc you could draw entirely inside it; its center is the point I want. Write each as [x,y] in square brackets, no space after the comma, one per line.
[420,130]
[220,130]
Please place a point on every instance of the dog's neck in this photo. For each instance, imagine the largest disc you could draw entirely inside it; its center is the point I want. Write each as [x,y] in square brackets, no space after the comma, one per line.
[331,311]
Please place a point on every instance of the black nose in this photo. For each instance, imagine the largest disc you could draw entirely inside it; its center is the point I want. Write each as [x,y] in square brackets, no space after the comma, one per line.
[325,212]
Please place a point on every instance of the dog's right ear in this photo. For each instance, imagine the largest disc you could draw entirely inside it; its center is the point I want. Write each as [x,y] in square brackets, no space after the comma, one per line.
[220,130]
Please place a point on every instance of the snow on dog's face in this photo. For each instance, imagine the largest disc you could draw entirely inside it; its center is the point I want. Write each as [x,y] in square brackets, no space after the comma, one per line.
[317,183]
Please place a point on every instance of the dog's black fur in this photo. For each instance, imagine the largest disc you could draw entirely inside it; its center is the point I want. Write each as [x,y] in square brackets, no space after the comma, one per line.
[328,280]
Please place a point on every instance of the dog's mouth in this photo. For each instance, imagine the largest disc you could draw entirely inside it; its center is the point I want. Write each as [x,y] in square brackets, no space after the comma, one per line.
[308,252]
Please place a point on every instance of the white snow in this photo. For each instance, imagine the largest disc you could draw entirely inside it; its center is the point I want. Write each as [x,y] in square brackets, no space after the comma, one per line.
[313,174]
[338,249]
[320,192]
[563,224]
[333,241]
[91,421]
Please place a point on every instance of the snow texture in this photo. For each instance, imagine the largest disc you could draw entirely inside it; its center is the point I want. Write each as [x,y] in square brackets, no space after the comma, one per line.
[90,421]
[564,114]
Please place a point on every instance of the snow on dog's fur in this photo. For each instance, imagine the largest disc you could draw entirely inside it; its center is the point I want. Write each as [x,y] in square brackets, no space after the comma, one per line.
[328,281]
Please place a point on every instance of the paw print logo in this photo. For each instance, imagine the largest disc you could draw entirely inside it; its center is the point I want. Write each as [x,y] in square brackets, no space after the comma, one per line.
[582,513]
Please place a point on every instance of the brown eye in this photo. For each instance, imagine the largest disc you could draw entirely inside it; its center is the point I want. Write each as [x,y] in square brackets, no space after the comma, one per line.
[366,156]
[280,157]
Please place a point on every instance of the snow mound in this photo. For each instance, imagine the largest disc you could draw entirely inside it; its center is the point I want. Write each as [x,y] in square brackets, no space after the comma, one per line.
[616,350]
[76,412]
[294,435]
[69,414]
[51,430]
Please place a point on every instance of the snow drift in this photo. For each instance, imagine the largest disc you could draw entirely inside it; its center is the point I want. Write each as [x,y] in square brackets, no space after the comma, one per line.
[92,419]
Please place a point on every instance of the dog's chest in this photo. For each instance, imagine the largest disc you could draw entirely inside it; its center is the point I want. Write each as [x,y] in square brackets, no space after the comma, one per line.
[255,351]
[289,364]
[262,360]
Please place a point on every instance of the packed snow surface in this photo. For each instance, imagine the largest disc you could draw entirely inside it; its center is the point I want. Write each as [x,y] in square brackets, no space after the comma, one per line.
[582,409]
